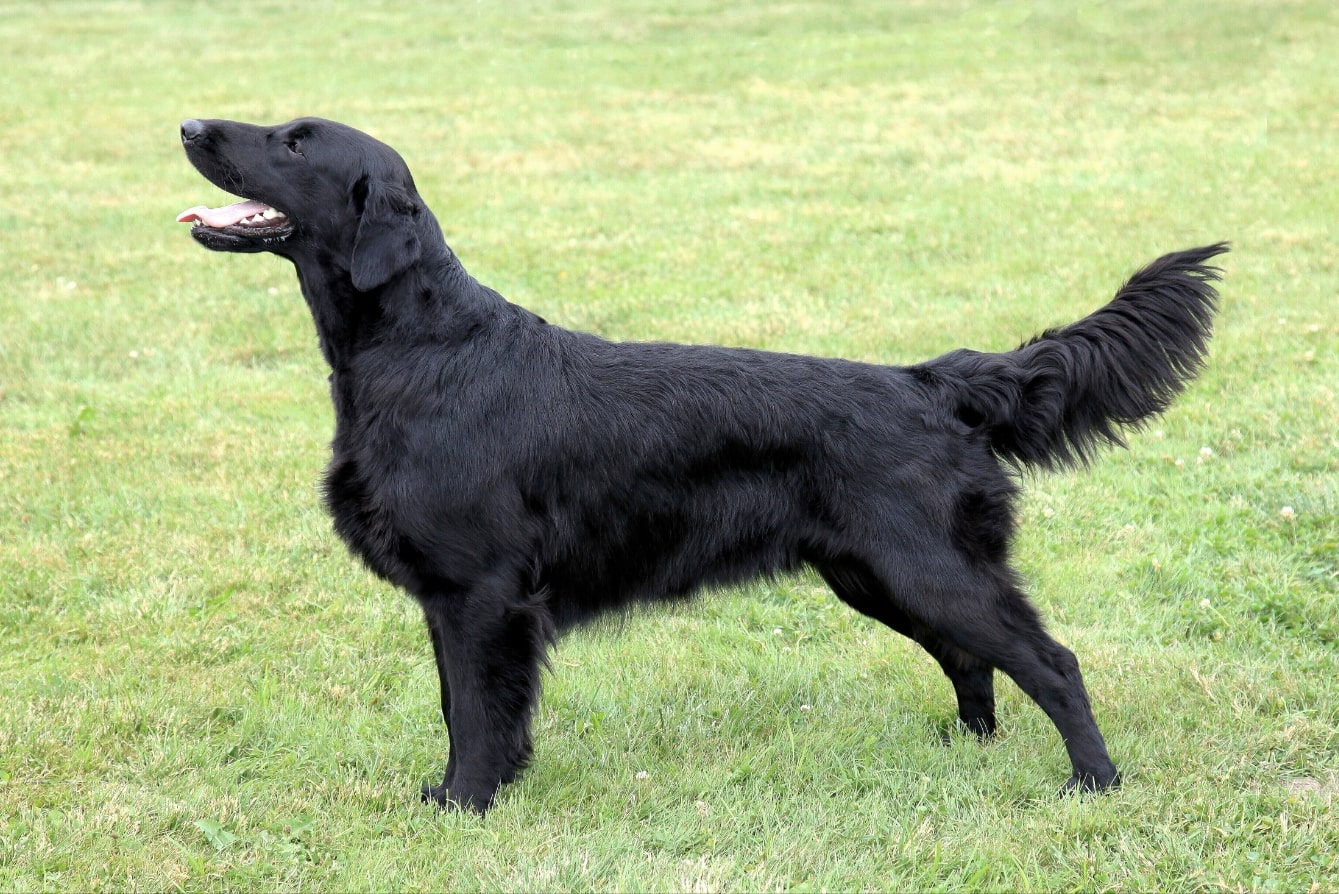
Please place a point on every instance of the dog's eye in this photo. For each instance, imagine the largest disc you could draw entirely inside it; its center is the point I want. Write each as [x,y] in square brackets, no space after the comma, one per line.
[294,146]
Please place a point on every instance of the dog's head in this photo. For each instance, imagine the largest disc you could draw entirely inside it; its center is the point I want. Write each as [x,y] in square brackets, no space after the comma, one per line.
[314,190]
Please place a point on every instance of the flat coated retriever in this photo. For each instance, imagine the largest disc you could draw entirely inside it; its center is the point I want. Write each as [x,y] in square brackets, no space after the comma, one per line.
[518,478]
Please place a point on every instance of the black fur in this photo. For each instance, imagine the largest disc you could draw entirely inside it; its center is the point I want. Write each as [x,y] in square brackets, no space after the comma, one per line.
[517,478]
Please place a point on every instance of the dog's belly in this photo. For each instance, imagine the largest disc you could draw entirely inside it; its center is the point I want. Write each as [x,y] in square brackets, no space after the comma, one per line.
[616,560]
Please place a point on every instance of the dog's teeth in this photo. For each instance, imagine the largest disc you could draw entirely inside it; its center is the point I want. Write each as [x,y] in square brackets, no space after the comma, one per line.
[270,214]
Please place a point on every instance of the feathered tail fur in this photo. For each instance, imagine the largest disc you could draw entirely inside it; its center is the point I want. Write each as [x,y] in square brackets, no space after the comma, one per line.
[1058,398]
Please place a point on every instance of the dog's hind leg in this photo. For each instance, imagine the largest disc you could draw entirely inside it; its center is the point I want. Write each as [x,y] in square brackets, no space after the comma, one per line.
[973,679]
[973,682]
[985,615]
[490,650]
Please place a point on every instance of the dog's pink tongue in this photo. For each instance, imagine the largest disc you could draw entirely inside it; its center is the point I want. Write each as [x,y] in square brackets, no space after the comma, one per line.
[221,217]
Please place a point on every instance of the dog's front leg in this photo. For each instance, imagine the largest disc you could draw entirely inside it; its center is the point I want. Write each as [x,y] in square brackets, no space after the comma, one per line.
[439,656]
[490,647]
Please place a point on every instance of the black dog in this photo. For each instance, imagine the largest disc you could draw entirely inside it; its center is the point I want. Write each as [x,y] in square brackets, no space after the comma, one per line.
[518,478]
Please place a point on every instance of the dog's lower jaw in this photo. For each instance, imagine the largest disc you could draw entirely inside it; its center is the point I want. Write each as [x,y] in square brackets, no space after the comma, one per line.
[243,240]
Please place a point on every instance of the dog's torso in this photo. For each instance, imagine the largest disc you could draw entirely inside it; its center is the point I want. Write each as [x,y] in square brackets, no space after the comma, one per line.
[611,460]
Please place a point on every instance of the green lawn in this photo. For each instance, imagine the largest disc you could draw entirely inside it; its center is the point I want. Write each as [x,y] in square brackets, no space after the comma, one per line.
[200,689]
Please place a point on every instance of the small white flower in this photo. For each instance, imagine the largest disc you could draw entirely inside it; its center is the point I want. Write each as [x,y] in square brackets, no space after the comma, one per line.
[1048,512]
[805,709]
[1287,513]
[642,774]
[776,631]
[1206,452]
[1204,603]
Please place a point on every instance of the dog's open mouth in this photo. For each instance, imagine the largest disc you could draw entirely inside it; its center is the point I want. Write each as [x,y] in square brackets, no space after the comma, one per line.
[239,225]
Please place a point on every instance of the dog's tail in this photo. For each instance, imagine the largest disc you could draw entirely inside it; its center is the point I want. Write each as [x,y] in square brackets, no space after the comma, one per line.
[1060,397]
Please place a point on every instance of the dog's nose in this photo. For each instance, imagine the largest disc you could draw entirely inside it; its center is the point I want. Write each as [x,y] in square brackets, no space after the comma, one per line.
[191,130]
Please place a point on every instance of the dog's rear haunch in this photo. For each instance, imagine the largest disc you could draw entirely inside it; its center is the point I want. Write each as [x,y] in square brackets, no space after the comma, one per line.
[518,478]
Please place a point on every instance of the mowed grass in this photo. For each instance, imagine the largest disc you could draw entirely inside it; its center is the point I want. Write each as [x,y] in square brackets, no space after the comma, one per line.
[201,690]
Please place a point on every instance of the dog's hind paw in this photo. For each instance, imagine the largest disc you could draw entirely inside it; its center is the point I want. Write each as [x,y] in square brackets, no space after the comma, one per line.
[982,728]
[1089,784]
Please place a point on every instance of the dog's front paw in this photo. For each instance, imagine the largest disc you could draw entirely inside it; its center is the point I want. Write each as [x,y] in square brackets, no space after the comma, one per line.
[453,802]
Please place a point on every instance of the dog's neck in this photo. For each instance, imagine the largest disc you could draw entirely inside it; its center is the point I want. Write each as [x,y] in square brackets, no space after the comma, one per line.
[437,301]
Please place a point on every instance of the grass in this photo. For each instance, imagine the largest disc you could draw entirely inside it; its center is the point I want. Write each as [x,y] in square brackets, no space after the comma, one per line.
[201,690]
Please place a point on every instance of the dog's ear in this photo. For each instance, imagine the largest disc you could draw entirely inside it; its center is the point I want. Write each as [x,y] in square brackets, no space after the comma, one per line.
[387,240]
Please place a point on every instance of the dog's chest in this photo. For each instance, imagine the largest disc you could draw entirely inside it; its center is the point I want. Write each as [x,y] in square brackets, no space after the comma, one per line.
[361,523]
[360,495]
